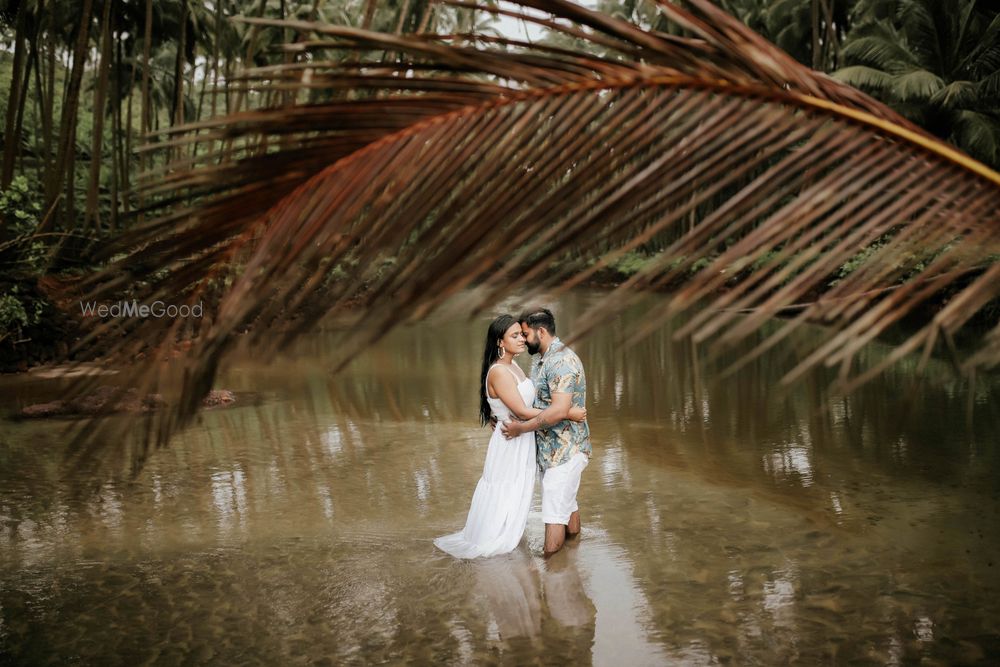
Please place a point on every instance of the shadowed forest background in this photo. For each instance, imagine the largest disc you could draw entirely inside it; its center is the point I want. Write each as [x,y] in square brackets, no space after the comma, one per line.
[84,83]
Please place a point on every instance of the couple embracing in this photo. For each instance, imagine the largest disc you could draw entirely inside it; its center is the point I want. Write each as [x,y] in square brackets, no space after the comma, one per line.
[539,422]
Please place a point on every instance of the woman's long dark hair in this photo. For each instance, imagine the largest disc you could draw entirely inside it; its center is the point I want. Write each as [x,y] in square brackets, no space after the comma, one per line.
[494,334]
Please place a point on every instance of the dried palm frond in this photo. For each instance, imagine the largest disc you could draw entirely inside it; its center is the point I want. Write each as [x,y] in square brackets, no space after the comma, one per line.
[456,161]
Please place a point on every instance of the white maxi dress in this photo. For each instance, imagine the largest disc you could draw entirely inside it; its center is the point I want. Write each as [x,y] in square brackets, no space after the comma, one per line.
[500,504]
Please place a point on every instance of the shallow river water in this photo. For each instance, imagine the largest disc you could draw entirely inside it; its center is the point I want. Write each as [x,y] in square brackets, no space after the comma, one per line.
[724,521]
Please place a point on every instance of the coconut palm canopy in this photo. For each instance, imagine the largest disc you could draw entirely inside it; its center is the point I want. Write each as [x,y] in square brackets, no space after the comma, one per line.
[941,68]
[390,172]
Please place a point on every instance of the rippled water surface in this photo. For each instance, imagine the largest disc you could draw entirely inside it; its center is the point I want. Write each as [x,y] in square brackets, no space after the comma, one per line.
[725,520]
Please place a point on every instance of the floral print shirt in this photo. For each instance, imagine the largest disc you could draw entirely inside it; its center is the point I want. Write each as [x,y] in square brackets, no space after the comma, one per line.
[559,370]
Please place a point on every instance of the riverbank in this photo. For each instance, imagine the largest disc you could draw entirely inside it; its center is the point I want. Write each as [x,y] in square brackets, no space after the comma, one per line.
[61,324]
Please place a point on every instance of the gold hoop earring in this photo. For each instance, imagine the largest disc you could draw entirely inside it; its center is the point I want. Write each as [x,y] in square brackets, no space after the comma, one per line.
[503,351]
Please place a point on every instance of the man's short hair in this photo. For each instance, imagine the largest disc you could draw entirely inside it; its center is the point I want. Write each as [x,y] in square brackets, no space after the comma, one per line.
[539,317]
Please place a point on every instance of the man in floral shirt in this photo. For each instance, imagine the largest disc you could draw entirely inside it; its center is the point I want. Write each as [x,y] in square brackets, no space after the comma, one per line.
[563,446]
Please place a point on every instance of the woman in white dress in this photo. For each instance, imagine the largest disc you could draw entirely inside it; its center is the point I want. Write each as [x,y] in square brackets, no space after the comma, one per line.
[500,504]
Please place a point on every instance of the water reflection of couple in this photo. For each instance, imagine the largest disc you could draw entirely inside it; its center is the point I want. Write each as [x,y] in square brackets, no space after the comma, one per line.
[542,422]
[514,589]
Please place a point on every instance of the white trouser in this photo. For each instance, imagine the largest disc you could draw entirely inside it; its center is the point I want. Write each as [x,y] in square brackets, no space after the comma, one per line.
[559,486]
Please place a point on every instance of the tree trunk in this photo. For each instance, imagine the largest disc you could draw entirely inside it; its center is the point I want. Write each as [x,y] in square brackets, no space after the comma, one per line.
[50,99]
[129,129]
[287,98]
[92,214]
[43,141]
[12,141]
[192,73]
[118,168]
[369,14]
[403,13]
[816,54]
[178,118]
[145,121]
[66,157]
[215,56]
[41,138]
[830,39]
[229,77]
[191,90]
[425,19]
[23,99]
[201,99]
[146,47]
[67,67]
[241,92]
[70,175]
[202,90]
[309,93]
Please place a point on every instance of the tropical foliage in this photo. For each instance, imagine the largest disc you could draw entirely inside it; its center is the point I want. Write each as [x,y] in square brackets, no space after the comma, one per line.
[935,62]
[938,64]
[83,82]
[455,160]
[371,160]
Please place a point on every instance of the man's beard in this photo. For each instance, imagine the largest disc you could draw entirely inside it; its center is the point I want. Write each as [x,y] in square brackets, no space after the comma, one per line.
[532,347]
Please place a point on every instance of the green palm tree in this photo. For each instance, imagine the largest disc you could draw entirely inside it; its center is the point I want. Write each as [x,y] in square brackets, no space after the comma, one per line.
[808,30]
[937,63]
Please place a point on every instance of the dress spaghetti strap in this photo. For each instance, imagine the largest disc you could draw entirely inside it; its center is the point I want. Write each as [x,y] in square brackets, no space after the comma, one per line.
[486,382]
